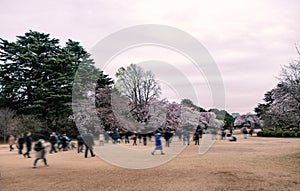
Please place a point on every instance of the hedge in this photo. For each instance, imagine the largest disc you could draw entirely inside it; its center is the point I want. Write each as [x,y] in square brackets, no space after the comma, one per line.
[278,133]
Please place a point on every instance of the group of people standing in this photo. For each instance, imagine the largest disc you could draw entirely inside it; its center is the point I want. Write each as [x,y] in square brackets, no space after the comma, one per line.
[128,136]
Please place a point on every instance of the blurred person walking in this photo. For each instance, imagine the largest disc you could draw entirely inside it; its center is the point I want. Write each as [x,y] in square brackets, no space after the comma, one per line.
[197,134]
[223,134]
[251,131]
[20,142]
[53,141]
[185,137]
[145,140]
[245,132]
[214,133]
[167,136]
[158,145]
[40,151]
[11,142]
[64,142]
[134,137]
[88,139]
[80,144]
[28,141]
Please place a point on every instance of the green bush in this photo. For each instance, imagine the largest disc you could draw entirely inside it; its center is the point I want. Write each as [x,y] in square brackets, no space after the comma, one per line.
[260,134]
[268,133]
[278,133]
[287,134]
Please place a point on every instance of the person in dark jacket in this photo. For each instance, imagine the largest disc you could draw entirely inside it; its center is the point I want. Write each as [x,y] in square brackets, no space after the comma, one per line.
[139,136]
[28,142]
[53,141]
[127,134]
[223,134]
[115,137]
[88,139]
[134,137]
[197,134]
[20,142]
[251,131]
[80,144]
[64,142]
[245,132]
[145,140]
[167,136]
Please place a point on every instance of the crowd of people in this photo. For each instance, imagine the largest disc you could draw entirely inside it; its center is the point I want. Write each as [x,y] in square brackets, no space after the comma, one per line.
[55,142]
[85,141]
[184,135]
[167,135]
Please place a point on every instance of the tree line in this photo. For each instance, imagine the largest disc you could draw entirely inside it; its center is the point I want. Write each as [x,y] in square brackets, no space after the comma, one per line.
[39,79]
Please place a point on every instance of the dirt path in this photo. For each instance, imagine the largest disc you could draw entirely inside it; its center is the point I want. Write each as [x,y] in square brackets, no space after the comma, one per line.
[248,164]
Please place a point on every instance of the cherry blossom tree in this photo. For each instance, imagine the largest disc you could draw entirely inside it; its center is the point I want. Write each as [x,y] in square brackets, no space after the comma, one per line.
[189,118]
[209,120]
[282,110]
[247,120]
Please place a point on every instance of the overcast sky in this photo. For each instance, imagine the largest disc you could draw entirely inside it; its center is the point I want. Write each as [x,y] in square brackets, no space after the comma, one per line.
[249,40]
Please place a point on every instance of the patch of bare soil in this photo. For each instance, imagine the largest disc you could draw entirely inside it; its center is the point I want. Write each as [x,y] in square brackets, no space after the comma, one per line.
[248,164]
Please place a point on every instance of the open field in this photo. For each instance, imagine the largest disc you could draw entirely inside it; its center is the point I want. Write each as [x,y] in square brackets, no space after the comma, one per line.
[249,164]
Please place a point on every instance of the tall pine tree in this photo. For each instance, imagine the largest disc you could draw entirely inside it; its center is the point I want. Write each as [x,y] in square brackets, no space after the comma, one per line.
[37,75]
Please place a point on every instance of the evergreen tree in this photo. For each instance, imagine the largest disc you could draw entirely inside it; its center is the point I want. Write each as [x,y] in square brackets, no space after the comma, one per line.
[37,77]
[223,115]
[190,103]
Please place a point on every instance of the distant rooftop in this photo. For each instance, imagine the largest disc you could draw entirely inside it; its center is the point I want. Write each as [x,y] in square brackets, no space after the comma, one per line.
[235,115]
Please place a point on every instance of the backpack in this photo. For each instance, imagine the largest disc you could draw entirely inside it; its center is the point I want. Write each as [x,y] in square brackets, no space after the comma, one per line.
[38,146]
[21,140]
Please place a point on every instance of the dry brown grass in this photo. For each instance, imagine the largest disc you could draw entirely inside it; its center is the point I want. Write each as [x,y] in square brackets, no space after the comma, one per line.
[251,164]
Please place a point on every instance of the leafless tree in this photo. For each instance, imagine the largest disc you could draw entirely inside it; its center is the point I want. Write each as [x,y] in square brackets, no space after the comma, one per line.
[23,123]
[140,88]
[6,119]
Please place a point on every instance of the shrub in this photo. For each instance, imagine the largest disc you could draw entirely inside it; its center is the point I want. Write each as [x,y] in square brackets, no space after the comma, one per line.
[287,134]
[278,133]
[260,134]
